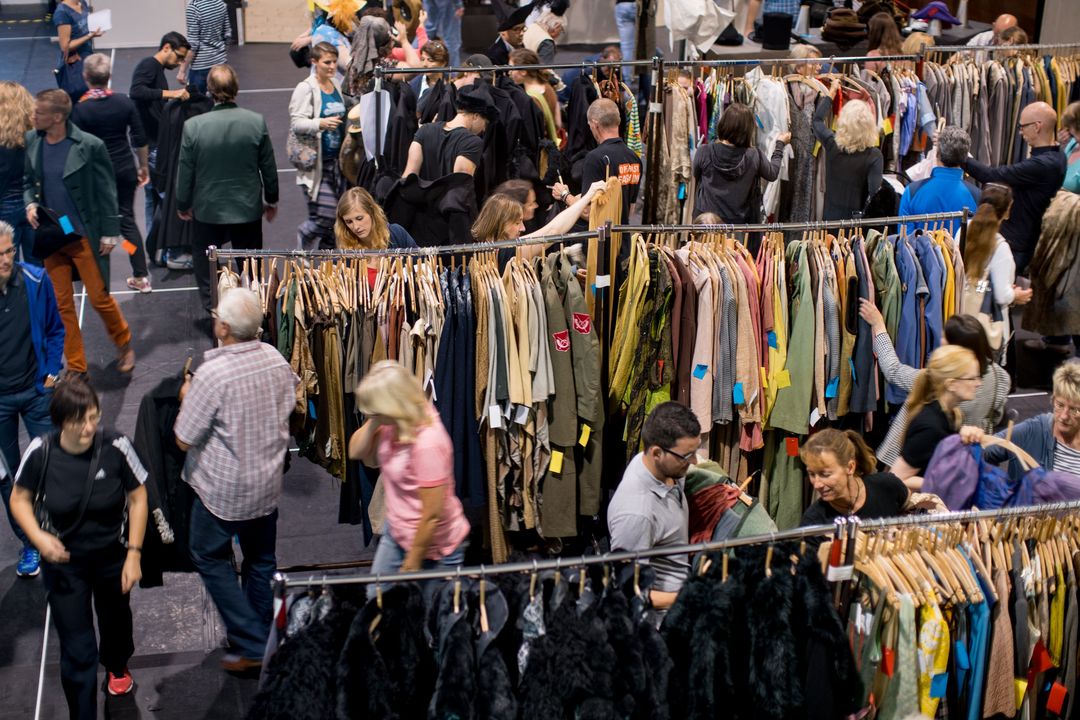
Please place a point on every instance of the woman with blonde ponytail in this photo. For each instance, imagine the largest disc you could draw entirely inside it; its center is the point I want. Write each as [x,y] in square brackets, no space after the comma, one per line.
[841,467]
[951,377]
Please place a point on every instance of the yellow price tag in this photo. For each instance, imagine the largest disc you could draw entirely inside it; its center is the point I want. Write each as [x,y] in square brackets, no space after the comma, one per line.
[555,465]
[1021,690]
[783,379]
[764,380]
[586,431]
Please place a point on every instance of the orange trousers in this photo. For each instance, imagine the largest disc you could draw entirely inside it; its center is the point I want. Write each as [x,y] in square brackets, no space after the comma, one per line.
[59,266]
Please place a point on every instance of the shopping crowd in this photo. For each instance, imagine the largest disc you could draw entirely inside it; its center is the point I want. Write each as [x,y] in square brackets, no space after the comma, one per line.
[483,155]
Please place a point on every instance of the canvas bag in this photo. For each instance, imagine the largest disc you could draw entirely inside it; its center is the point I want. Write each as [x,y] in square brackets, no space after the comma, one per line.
[978,300]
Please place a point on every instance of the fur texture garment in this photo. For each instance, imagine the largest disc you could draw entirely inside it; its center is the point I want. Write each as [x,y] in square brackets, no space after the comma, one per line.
[300,680]
[388,671]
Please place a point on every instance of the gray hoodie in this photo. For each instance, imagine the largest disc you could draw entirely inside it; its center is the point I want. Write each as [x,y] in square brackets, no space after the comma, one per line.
[725,178]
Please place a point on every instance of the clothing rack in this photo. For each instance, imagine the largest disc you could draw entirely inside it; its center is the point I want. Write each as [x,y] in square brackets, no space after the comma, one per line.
[812,225]
[929,50]
[786,61]
[584,65]
[283,582]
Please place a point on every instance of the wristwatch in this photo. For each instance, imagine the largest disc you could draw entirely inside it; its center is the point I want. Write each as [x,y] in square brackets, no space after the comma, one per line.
[562,198]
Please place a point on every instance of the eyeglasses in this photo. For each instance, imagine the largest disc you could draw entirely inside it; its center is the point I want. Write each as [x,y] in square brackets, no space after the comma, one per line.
[684,458]
[1062,407]
[10,252]
[1021,126]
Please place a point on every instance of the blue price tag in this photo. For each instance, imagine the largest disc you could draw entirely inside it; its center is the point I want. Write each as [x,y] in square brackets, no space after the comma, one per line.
[939,685]
[311,408]
[832,388]
[772,340]
[65,224]
[682,191]
[700,370]
[852,364]
[737,394]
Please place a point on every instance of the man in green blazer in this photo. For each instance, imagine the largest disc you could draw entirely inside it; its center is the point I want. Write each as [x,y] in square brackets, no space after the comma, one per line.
[227,180]
[69,172]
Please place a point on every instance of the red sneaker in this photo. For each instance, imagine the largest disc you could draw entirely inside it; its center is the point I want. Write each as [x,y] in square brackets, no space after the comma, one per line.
[120,684]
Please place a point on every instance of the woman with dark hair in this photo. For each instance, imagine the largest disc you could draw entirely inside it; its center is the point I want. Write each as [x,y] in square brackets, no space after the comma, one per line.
[728,170]
[317,109]
[984,410]
[538,89]
[883,38]
[988,258]
[87,479]
[841,468]
[524,192]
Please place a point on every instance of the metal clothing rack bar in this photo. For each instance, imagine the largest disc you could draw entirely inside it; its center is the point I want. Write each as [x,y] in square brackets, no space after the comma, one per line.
[214,253]
[781,227]
[584,65]
[930,50]
[787,61]
[282,582]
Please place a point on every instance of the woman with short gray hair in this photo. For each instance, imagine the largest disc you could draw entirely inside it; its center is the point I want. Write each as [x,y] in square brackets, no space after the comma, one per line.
[112,116]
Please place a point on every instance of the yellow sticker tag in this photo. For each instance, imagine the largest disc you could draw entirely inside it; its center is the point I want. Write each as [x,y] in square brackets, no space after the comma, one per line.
[586,431]
[555,465]
[783,379]
[764,380]
[1021,690]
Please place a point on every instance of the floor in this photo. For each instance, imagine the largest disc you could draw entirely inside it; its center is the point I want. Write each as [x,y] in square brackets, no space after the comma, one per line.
[177,635]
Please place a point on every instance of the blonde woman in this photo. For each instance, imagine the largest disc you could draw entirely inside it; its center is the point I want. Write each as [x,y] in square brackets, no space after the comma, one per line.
[16,105]
[361,224]
[424,525]
[538,89]
[951,377]
[853,162]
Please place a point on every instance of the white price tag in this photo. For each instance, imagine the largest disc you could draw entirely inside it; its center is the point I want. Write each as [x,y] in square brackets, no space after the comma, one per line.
[603,281]
[495,418]
[840,573]
[522,415]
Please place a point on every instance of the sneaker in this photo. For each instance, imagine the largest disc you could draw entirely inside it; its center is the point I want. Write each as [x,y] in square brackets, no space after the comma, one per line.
[142,284]
[120,684]
[29,563]
[239,664]
[179,262]
[125,361]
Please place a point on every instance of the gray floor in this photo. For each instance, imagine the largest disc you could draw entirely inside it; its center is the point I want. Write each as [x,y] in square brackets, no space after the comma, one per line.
[175,666]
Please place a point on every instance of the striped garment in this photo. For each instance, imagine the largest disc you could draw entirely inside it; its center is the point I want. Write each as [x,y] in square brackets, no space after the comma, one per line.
[208,32]
[1066,459]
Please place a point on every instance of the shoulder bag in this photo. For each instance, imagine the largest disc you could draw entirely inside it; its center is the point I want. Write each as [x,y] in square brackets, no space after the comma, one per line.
[41,513]
[303,150]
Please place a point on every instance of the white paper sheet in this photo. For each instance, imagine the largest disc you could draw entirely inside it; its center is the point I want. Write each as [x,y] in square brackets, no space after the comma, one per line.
[100,20]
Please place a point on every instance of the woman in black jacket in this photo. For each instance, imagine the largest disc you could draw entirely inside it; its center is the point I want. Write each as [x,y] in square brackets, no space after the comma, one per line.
[86,478]
[727,171]
[853,162]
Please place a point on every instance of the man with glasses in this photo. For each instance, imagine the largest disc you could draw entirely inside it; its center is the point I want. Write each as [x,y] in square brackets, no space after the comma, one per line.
[1053,438]
[149,91]
[30,354]
[649,508]
[1034,180]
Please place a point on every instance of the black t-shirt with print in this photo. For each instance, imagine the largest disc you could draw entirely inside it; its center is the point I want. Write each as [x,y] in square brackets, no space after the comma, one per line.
[119,472]
[886,496]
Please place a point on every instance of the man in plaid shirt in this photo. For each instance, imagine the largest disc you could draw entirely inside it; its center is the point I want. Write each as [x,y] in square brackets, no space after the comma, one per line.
[234,426]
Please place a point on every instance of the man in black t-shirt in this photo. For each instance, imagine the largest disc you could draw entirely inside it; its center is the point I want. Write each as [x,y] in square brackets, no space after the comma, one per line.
[441,148]
[609,158]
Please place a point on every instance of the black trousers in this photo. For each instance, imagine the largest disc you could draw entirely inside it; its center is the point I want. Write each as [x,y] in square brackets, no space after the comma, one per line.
[125,198]
[76,591]
[243,236]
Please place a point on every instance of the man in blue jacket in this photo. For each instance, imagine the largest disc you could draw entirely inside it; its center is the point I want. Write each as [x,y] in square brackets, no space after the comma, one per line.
[30,356]
[945,190]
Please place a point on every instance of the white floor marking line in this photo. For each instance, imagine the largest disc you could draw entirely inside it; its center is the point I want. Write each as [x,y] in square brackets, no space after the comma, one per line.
[268,90]
[82,308]
[1027,395]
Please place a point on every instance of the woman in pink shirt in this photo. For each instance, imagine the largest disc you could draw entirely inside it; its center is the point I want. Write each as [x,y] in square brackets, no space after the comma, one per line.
[424,525]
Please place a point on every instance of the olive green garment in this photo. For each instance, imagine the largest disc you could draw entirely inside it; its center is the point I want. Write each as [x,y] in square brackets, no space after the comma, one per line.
[886,279]
[792,409]
[783,497]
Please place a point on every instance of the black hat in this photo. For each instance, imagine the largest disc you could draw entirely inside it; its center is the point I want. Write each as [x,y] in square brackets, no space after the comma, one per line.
[775,33]
[476,98]
[479,60]
[508,16]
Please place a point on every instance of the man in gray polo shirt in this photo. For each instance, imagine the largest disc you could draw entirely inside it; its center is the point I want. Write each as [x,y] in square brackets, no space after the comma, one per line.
[649,508]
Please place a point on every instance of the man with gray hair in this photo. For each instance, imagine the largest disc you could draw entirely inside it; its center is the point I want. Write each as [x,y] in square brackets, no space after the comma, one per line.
[945,190]
[234,426]
[114,119]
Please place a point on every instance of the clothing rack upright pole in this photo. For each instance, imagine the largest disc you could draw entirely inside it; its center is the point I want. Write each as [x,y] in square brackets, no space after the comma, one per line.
[282,582]
[782,227]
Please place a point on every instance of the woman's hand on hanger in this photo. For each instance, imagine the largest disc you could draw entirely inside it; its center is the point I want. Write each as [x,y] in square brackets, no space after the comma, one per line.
[595,188]
[868,311]
[971,435]
[784,137]
[1021,296]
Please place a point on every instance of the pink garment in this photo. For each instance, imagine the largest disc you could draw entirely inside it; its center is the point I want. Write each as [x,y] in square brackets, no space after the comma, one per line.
[702,109]
[426,462]
[421,40]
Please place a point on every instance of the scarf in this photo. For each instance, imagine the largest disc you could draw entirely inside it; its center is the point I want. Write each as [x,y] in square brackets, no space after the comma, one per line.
[95,94]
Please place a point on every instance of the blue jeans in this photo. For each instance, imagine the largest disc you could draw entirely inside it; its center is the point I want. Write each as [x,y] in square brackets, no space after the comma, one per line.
[33,407]
[246,607]
[198,79]
[389,557]
[151,198]
[442,21]
[13,212]
[626,21]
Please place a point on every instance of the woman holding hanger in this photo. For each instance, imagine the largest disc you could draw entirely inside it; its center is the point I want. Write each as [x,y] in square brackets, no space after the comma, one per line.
[853,162]
[88,479]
